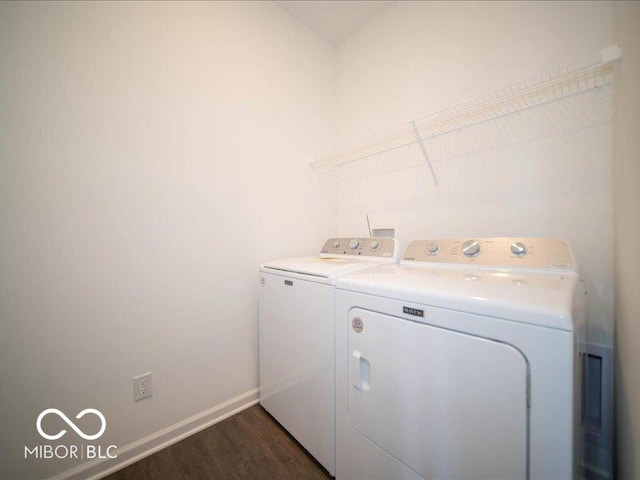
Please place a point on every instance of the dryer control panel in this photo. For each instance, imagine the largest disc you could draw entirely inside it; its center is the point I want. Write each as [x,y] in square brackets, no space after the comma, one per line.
[367,246]
[507,252]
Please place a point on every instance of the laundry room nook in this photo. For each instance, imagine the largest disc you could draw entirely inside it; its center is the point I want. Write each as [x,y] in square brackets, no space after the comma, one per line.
[316,239]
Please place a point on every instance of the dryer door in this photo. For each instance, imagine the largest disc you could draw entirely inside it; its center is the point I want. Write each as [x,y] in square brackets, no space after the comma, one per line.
[444,403]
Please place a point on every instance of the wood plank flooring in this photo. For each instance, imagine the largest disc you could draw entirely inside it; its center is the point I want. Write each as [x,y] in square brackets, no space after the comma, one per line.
[248,446]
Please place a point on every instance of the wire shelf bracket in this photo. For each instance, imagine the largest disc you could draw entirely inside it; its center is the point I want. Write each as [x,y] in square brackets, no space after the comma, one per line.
[424,152]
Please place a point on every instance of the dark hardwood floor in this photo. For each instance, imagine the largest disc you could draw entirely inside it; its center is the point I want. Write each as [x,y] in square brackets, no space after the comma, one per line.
[248,446]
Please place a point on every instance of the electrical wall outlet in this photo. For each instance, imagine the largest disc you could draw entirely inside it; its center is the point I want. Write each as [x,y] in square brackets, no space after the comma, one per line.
[142,386]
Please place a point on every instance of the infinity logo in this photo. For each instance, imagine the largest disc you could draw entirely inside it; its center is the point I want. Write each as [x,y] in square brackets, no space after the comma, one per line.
[71,424]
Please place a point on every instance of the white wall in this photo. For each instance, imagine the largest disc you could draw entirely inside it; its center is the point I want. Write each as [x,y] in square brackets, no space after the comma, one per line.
[543,172]
[417,58]
[151,156]
[626,169]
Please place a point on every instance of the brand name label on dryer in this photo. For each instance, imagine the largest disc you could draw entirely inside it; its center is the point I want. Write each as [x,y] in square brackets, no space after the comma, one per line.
[413,311]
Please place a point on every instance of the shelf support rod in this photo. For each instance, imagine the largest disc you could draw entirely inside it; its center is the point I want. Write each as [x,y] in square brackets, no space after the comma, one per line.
[424,151]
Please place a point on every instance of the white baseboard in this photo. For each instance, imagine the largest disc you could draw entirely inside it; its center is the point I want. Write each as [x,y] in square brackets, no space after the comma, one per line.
[155,442]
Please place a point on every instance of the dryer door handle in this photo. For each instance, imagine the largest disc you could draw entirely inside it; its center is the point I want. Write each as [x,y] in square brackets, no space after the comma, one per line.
[360,372]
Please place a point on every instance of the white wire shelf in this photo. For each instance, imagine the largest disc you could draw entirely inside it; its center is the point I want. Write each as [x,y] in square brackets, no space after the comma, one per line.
[592,72]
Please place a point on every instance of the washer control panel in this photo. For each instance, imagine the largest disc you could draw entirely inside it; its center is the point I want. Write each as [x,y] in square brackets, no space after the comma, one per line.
[367,246]
[494,252]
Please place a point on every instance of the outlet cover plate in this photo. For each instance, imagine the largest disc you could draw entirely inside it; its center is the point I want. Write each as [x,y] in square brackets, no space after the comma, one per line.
[142,386]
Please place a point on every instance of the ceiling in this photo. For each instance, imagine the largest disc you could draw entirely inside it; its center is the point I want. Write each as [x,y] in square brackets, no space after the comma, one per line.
[334,20]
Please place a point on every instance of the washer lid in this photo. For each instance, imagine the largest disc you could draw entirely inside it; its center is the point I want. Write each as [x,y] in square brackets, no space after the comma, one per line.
[538,299]
[338,256]
[321,266]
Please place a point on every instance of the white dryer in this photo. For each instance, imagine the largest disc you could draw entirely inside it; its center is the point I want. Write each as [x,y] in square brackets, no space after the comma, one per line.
[297,337]
[461,362]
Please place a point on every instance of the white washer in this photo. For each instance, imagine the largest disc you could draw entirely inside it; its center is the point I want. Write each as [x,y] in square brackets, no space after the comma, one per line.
[461,362]
[297,337]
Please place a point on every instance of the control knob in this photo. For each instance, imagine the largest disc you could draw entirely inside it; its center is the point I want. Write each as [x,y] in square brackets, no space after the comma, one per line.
[336,243]
[471,248]
[433,248]
[374,244]
[354,243]
[519,249]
